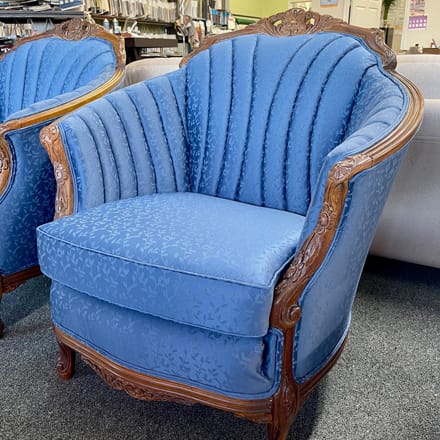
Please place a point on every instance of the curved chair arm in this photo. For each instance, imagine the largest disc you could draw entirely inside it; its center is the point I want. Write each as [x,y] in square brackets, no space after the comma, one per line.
[326,215]
[150,146]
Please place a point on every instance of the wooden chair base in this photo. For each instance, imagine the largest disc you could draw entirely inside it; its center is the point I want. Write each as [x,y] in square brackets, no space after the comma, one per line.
[271,411]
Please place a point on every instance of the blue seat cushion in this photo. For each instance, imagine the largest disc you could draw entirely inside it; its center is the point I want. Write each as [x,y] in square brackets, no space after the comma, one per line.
[186,257]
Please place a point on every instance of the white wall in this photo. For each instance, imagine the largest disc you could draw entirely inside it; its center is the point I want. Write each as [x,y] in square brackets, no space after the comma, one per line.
[423,37]
[339,11]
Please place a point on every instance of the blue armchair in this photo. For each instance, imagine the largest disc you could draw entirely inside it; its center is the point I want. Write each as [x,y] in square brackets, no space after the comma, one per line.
[42,78]
[213,222]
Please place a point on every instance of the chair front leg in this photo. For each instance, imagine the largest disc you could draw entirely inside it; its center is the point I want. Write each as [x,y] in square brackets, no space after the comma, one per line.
[66,362]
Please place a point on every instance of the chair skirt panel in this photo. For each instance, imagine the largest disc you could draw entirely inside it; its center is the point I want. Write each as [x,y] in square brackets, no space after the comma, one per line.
[29,197]
[190,258]
[327,300]
[242,367]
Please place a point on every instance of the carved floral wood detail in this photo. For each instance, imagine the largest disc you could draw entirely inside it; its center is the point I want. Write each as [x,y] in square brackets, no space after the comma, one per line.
[66,362]
[51,140]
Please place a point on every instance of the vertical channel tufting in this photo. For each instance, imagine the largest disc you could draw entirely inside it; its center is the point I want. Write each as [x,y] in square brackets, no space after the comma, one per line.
[173,128]
[49,67]
[8,68]
[113,143]
[237,195]
[51,75]
[85,74]
[228,122]
[136,151]
[162,135]
[240,109]
[256,124]
[81,149]
[96,129]
[197,86]
[161,161]
[122,146]
[273,168]
[33,71]
[18,80]
[320,146]
[219,110]
[205,134]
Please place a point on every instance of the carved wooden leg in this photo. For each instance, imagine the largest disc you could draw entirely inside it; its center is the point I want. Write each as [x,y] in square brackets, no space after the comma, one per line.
[277,432]
[286,401]
[66,362]
[285,407]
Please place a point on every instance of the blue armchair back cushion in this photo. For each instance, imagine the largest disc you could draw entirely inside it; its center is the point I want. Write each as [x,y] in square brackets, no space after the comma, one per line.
[224,125]
[49,67]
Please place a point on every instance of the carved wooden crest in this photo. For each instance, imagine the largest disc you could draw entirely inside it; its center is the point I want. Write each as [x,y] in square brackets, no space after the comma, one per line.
[297,21]
[78,29]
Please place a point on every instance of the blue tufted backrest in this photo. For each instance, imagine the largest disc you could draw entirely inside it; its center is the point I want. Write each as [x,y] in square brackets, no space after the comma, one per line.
[263,113]
[258,119]
[45,68]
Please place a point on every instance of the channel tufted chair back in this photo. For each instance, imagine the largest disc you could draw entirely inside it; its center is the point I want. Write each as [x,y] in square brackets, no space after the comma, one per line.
[261,135]
[212,223]
[42,78]
[49,67]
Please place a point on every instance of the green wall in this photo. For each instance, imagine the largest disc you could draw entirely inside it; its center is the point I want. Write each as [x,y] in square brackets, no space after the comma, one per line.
[273,6]
[257,8]
[246,7]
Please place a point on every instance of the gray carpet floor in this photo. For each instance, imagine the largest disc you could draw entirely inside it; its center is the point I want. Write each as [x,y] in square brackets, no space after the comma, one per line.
[385,386]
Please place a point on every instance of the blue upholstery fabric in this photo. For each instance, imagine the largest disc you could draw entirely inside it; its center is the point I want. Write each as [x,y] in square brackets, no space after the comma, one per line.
[227,364]
[27,202]
[49,67]
[214,261]
[38,76]
[326,302]
[264,145]
[195,189]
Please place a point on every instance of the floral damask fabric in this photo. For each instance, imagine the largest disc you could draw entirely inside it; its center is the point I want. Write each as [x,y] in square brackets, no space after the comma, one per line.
[195,190]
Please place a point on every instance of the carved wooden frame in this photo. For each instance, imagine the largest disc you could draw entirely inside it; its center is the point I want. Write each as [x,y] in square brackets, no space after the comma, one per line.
[74,30]
[279,410]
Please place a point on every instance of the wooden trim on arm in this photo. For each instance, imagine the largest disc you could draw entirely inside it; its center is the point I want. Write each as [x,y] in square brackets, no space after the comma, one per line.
[315,248]
[50,138]
[5,162]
